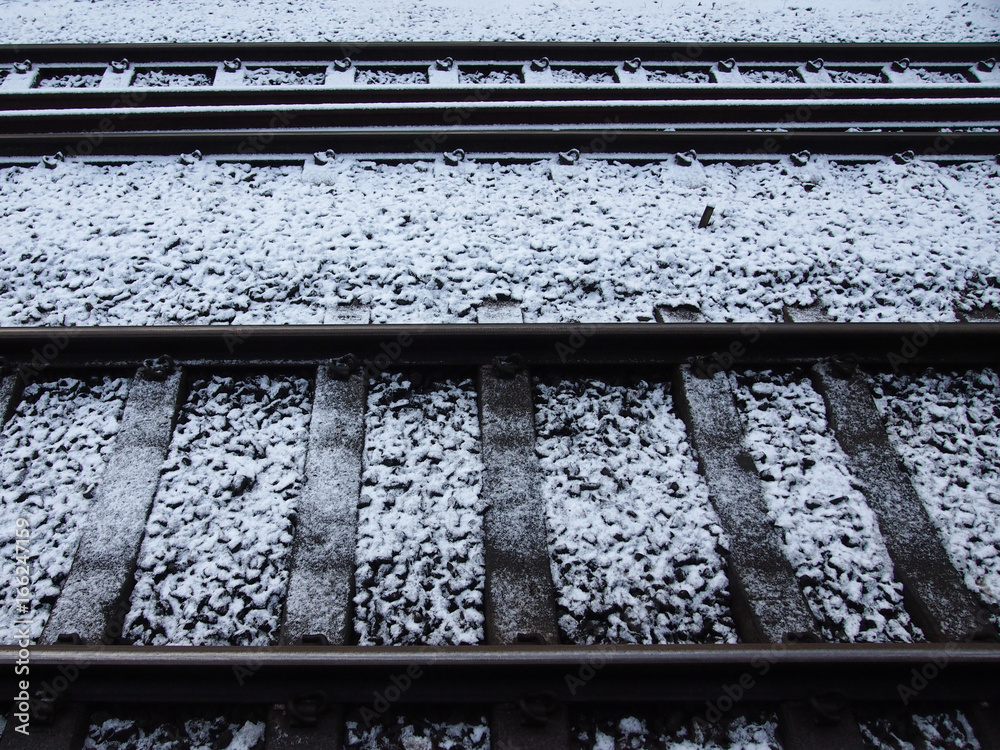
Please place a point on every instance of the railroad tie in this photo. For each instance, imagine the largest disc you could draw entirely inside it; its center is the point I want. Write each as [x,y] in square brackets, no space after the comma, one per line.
[520,597]
[94,599]
[318,608]
[768,606]
[10,392]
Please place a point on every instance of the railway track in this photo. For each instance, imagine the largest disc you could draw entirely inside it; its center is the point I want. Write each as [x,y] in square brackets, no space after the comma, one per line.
[319,677]
[533,656]
[499,99]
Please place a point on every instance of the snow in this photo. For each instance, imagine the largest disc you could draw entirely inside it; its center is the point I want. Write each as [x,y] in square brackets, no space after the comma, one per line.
[158,243]
[946,428]
[53,451]
[426,732]
[25,21]
[145,733]
[674,730]
[945,731]
[158,78]
[421,572]
[830,534]
[213,564]
[636,549]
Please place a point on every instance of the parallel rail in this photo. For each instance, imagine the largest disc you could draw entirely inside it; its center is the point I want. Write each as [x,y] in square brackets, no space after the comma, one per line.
[654,99]
[82,664]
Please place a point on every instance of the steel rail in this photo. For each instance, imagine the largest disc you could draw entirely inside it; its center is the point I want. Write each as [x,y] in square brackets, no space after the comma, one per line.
[607,114]
[461,95]
[604,140]
[503,51]
[491,674]
[393,346]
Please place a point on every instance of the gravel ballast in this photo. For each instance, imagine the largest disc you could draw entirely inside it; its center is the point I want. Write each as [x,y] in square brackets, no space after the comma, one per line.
[163,243]
[636,549]
[420,573]
[53,451]
[946,428]
[830,534]
[24,21]
[213,564]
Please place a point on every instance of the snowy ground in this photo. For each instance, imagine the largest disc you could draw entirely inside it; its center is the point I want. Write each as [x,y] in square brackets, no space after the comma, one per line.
[674,731]
[163,243]
[109,732]
[942,731]
[637,552]
[831,536]
[213,564]
[27,21]
[946,427]
[430,731]
[53,451]
[157,243]
[421,570]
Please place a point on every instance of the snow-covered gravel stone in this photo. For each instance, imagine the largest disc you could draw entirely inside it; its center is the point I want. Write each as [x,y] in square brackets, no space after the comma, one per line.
[160,242]
[161,78]
[390,77]
[53,451]
[431,731]
[420,573]
[674,732]
[70,81]
[108,732]
[830,534]
[940,731]
[946,428]
[213,564]
[636,549]
[26,21]
[267,76]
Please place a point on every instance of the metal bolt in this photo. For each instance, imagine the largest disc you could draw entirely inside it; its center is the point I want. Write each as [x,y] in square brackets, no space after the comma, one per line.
[342,367]
[157,369]
[324,157]
[569,157]
[801,158]
[51,162]
[454,157]
[686,158]
[507,367]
